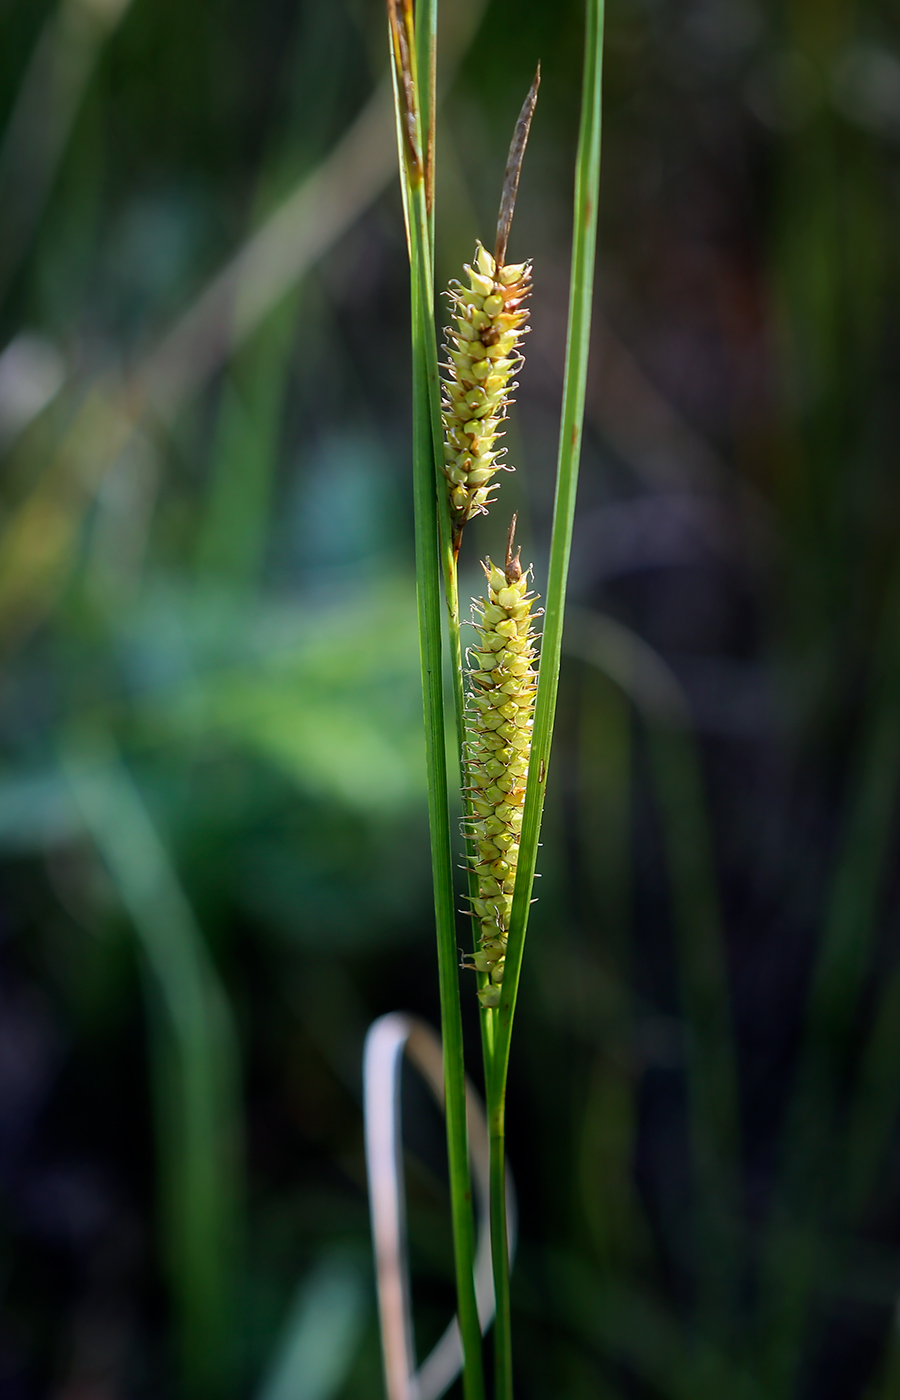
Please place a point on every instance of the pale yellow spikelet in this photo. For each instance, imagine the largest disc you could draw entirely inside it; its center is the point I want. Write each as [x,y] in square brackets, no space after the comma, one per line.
[503,683]
[483,339]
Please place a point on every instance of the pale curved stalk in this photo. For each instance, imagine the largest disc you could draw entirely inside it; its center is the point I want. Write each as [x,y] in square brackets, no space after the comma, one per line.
[388,1039]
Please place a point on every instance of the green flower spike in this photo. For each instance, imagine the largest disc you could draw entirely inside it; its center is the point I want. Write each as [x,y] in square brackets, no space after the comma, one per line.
[501,714]
[487,324]
[482,342]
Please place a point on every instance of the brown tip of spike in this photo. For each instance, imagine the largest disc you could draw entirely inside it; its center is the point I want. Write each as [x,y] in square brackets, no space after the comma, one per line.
[513,567]
[514,170]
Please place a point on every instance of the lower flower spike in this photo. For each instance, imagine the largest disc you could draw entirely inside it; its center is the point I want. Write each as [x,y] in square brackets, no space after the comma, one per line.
[503,683]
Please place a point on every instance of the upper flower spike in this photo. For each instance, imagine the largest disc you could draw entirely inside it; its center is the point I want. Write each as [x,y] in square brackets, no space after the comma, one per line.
[487,325]
[482,342]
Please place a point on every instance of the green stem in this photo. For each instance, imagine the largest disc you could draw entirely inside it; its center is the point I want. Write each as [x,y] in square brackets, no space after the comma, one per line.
[428,572]
[584,240]
[414,140]
[577,344]
[459,707]
[500,1250]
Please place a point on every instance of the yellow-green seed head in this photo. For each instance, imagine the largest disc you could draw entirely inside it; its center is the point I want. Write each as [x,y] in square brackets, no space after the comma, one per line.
[487,324]
[500,720]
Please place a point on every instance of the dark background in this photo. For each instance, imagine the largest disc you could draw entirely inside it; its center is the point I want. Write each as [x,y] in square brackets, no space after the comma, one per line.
[212,817]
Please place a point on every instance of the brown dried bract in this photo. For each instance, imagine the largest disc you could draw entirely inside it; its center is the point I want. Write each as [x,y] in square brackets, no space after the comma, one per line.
[514,170]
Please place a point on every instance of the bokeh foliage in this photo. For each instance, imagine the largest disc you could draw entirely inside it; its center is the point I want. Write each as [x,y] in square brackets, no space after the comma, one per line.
[212,813]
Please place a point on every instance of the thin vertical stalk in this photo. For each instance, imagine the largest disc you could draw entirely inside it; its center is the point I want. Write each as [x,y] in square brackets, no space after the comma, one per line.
[500,1249]
[584,240]
[426,435]
[429,606]
[577,343]
[451,575]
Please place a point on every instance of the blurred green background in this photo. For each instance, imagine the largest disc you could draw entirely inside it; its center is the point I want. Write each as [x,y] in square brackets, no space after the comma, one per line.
[212,818]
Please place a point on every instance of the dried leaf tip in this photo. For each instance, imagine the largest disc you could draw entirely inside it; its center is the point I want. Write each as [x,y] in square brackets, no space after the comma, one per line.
[514,170]
[400,20]
[513,561]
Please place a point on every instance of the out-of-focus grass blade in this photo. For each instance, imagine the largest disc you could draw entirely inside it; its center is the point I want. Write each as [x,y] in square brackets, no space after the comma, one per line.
[195,1058]
[711,1071]
[873,1113]
[233,534]
[321,1335]
[852,925]
[636,1332]
[43,115]
[605,809]
[607,1116]
[814,1186]
[36,811]
[703,985]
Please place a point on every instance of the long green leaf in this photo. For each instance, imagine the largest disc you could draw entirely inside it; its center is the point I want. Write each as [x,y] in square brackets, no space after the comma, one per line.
[587,183]
[584,241]
[414,141]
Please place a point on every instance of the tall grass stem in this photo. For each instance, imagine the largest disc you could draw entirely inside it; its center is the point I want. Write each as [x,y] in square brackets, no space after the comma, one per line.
[584,240]
[414,142]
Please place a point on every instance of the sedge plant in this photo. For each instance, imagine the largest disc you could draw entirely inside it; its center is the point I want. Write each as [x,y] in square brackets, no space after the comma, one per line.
[504,726]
